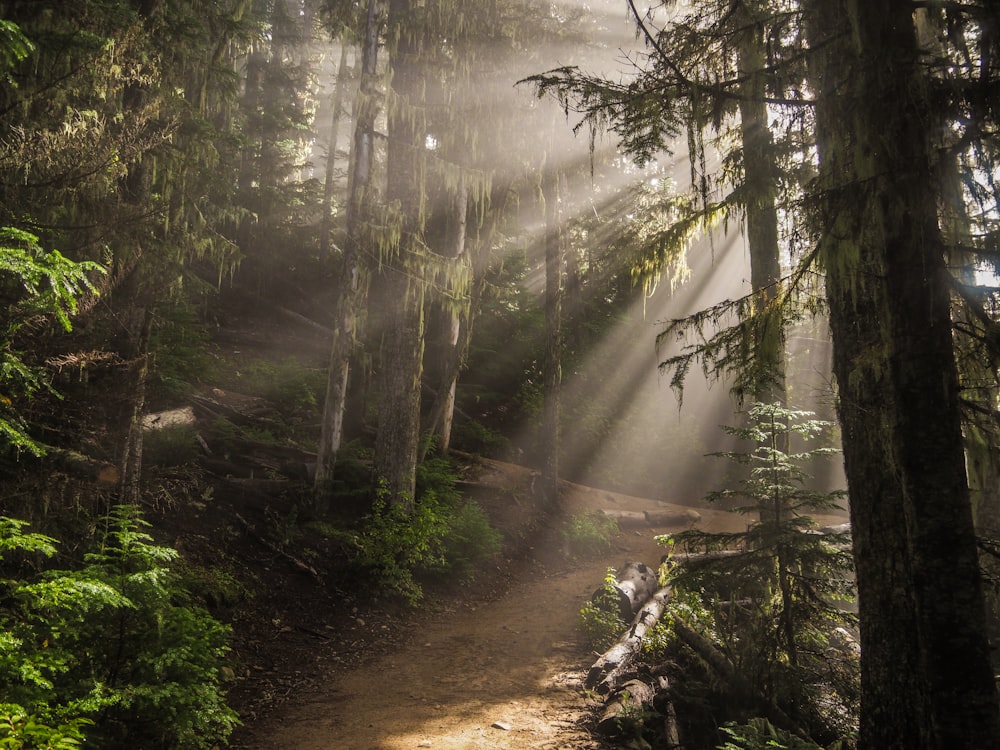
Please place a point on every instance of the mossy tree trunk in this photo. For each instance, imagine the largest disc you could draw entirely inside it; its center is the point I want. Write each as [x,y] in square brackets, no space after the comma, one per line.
[401,283]
[366,108]
[552,364]
[926,681]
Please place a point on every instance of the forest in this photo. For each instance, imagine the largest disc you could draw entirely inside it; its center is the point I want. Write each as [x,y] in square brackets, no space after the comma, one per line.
[295,265]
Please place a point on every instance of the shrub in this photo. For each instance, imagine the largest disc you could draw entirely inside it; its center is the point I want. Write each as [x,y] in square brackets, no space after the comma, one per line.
[171,446]
[599,618]
[590,534]
[396,542]
[469,541]
[113,652]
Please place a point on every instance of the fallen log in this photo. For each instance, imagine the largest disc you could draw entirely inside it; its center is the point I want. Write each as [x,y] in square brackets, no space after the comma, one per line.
[627,519]
[686,517]
[624,707]
[79,465]
[635,585]
[161,420]
[739,685]
[607,671]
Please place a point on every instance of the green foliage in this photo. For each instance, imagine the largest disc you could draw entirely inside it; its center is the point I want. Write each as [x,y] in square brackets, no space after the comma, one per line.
[181,360]
[395,543]
[475,437]
[170,446]
[760,734]
[19,730]
[444,534]
[34,284]
[14,47]
[600,617]
[112,652]
[775,600]
[287,384]
[470,540]
[589,534]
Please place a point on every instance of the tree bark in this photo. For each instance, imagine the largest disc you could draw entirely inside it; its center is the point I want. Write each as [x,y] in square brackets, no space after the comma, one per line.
[623,707]
[634,585]
[326,223]
[552,365]
[366,108]
[454,311]
[605,674]
[926,681]
[759,187]
[402,284]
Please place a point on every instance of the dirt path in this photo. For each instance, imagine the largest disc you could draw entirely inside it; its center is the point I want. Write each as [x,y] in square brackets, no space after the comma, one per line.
[504,674]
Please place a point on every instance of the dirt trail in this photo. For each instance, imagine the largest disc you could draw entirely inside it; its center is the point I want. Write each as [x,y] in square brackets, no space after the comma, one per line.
[504,674]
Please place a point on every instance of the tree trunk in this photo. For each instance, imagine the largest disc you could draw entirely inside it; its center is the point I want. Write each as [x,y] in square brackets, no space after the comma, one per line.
[760,185]
[552,366]
[926,681]
[365,111]
[401,355]
[634,585]
[326,223]
[623,710]
[926,424]
[455,309]
[606,673]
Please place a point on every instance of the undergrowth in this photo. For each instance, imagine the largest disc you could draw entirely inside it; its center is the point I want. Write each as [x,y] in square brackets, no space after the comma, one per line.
[111,652]
[443,534]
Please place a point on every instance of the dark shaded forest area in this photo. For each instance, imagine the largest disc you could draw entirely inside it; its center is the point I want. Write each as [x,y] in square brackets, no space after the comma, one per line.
[306,260]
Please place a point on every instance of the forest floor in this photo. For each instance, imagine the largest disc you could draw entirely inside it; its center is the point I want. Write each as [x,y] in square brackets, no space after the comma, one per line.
[320,660]
[497,664]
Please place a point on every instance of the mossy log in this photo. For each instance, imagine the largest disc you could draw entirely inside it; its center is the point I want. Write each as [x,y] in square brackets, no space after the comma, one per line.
[635,585]
[81,466]
[625,705]
[610,668]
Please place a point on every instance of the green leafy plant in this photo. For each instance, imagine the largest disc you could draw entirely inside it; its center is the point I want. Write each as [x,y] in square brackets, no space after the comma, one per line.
[775,593]
[760,734]
[600,617]
[470,540]
[444,533]
[113,652]
[589,534]
[34,283]
[395,542]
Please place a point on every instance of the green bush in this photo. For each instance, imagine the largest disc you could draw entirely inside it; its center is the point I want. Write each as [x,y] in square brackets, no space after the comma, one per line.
[288,384]
[760,734]
[590,534]
[112,653]
[180,348]
[396,542]
[600,617]
[442,534]
[469,541]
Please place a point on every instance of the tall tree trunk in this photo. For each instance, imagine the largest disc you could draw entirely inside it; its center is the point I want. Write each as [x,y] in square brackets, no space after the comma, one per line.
[366,109]
[926,425]
[401,358]
[456,309]
[926,681]
[131,463]
[759,186]
[329,182]
[552,365]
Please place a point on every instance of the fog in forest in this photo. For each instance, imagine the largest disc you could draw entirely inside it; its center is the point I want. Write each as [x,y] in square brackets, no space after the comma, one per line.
[623,427]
